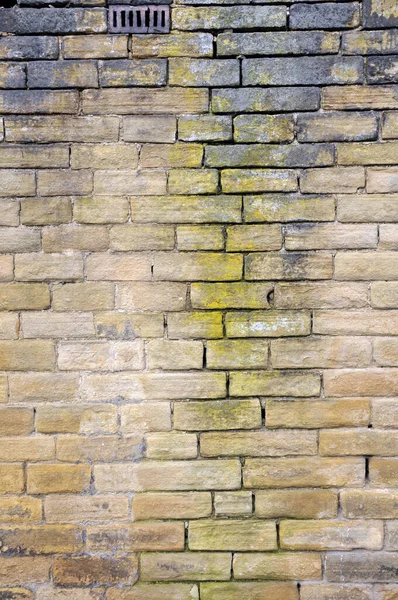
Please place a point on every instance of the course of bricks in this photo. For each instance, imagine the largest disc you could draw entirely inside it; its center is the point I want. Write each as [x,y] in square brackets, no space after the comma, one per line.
[199,298]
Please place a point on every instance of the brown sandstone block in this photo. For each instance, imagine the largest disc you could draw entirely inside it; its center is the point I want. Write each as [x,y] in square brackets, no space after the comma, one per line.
[64,182]
[83,296]
[21,449]
[171,446]
[128,325]
[177,505]
[43,387]
[278,565]
[56,478]
[240,294]
[100,449]
[200,237]
[57,324]
[145,416]
[319,352]
[117,266]
[41,539]
[16,421]
[101,209]
[150,100]
[314,414]
[178,355]
[142,591]
[46,211]
[135,537]
[321,295]
[272,383]
[27,355]
[248,591]
[361,382]
[24,570]
[232,535]
[325,591]
[217,415]
[120,355]
[88,570]
[369,504]
[153,296]
[100,46]
[141,237]
[62,129]
[331,535]
[79,509]
[48,267]
[258,443]
[290,266]
[267,324]
[11,482]
[101,156]
[92,419]
[200,566]
[233,504]
[296,504]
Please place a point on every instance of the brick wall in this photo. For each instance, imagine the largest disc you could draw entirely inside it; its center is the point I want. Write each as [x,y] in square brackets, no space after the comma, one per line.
[199,298]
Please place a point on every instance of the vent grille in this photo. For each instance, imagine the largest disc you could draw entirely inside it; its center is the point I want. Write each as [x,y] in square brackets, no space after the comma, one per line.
[139,19]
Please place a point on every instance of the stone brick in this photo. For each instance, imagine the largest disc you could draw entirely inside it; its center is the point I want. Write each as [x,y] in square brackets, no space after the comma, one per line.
[95,570]
[386,352]
[296,504]
[383,472]
[27,48]
[375,322]
[236,354]
[248,591]
[200,237]
[272,383]
[9,326]
[31,101]
[366,154]
[355,97]
[83,296]
[171,354]
[16,421]
[19,240]
[365,266]
[337,127]
[62,129]
[17,183]
[68,238]
[116,183]
[103,156]
[217,414]
[230,295]
[325,16]
[385,592]
[27,355]
[6,268]
[156,101]
[168,476]
[265,100]
[152,296]
[202,128]
[186,566]
[186,209]
[382,180]
[320,70]
[10,209]
[62,74]
[303,472]
[125,73]
[53,325]
[318,352]
[384,412]
[259,180]
[334,180]
[331,535]
[258,443]
[197,266]
[12,75]
[64,182]
[178,505]
[274,43]
[143,591]
[370,42]
[391,541]
[53,20]
[171,155]
[100,46]
[388,237]
[233,504]
[199,72]
[236,17]
[28,157]
[290,266]
[360,566]
[17,593]
[92,419]
[326,237]
[316,591]
[193,181]
[41,539]
[390,125]
[24,570]
[267,324]
[384,294]
[118,325]
[321,295]
[101,356]
[57,478]
[148,416]
[194,325]
[170,446]
[312,414]
[149,129]
[380,13]
[11,482]
[136,537]
[111,267]
[100,449]
[281,565]
[263,128]
[369,504]
[243,155]
[24,296]
[46,211]
[285,208]
[40,387]
[364,208]
[153,386]
[370,382]
[50,593]
[177,43]
[101,210]
[232,535]
[17,509]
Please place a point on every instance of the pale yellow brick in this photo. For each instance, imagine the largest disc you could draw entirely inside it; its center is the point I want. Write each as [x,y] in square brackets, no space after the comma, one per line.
[20,449]
[136,537]
[237,354]
[48,267]
[286,207]
[78,509]
[253,237]
[101,209]
[321,295]
[232,504]
[119,325]
[20,239]
[314,414]
[281,565]
[16,421]
[104,156]
[99,46]
[358,442]
[9,326]
[95,570]
[371,208]
[338,126]
[81,449]
[384,294]
[383,472]
[358,322]
[115,183]
[263,128]
[83,296]
[52,593]
[64,182]
[187,566]
[43,387]
[169,476]
[146,416]
[366,266]
[259,180]
[56,478]
[390,125]
[11,481]
[320,352]
[152,296]
[177,505]
[230,295]
[382,180]
[384,412]
[143,591]
[217,414]
[149,128]
[69,238]
[274,383]
[171,155]
[111,267]
[331,535]
[388,237]
[201,128]
[193,181]
[325,237]
[42,539]
[367,154]
[9,212]
[24,570]
[361,382]
[141,237]
[20,509]
[57,324]
[358,97]
[187,209]
[303,472]
[177,43]
[385,352]
[171,446]
[194,325]
[206,237]
[369,504]
[290,266]
[332,180]
[267,324]
[30,157]
[258,443]
[296,504]
[327,591]
[232,534]
[101,356]
[248,590]
[172,354]
[27,355]
[6,268]
[77,419]
[46,211]
[17,183]
[3,389]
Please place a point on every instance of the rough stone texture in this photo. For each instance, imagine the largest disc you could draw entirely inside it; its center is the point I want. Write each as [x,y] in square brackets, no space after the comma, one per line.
[199,302]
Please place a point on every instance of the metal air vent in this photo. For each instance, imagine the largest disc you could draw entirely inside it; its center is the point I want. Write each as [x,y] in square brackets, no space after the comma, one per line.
[139,19]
